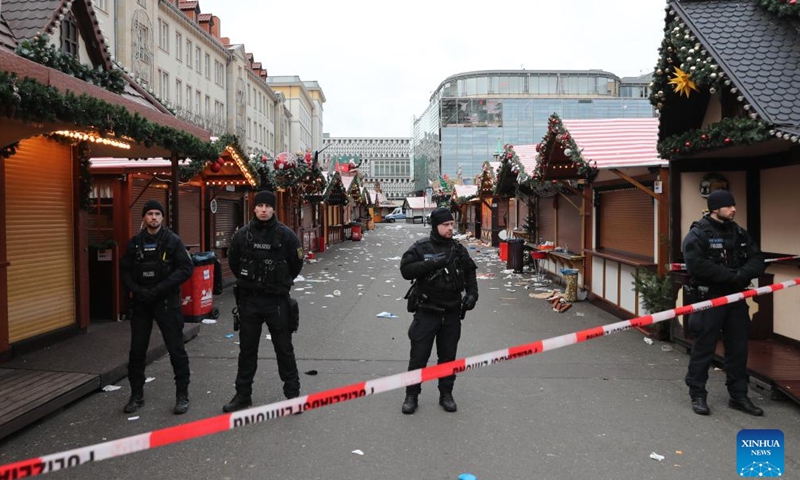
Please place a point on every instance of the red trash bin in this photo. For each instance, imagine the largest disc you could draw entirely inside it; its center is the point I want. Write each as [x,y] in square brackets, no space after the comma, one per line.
[197,293]
[355,232]
[503,250]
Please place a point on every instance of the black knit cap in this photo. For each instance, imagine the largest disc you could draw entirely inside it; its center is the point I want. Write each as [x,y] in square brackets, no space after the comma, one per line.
[152,205]
[265,196]
[440,215]
[719,199]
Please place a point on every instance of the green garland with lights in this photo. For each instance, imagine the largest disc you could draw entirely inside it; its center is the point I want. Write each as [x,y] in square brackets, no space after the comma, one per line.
[781,8]
[30,101]
[728,132]
[40,50]
[556,133]
[680,49]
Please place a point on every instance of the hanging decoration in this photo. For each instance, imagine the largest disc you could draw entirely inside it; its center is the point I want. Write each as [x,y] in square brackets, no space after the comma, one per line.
[486,179]
[682,83]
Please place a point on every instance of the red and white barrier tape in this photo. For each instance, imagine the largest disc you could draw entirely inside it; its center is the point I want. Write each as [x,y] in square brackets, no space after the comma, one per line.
[229,421]
[677,267]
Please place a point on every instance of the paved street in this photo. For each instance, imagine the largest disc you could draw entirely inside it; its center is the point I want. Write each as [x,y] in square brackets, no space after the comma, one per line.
[593,410]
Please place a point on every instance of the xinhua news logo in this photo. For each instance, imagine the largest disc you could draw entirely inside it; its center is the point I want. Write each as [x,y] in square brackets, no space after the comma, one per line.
[759,453]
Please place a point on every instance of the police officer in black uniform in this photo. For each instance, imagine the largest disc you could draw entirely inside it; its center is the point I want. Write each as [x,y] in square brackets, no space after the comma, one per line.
[153,268]
[441,269]
[721,259]
[266,256]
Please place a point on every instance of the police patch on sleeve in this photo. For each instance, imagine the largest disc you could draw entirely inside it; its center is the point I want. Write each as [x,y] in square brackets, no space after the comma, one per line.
[300,253]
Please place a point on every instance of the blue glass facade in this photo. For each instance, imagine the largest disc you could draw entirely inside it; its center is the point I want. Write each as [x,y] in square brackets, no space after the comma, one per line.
[460,133]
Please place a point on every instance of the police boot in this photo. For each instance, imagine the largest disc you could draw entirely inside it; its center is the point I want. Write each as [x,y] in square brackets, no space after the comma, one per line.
[745,405]
[700,406]
[240,401]
[447,402]
[181,401]
[136,401]
[410,404]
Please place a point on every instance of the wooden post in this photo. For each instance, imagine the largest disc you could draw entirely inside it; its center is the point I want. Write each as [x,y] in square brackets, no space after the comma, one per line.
[662,257]
[4,347]
[175,210]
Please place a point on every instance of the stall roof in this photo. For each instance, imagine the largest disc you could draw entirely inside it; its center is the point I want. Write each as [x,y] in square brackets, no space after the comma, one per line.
[419,203]
[617,142]
[466,190]
[611,142]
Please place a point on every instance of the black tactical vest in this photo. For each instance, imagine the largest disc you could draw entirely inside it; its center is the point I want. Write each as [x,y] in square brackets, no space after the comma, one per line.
[728,249]
[450,278]
[151,264]
[264,262]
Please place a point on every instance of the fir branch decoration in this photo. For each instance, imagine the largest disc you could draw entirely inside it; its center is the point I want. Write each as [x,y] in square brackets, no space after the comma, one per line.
[681,52]
[728,132]
[557,136]
[30,101]
[40,50]
[655,292]
[781,8]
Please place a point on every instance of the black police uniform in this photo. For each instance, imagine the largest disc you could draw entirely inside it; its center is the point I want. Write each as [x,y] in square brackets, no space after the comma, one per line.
[266,257]
[153,269]
[721,259]
[438,301]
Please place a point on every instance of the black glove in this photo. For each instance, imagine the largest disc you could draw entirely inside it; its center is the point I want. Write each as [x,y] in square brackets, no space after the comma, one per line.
[740,281]
[440,260]
[468,303]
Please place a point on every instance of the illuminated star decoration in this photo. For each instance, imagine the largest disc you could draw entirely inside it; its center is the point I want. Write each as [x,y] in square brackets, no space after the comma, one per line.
[682,84]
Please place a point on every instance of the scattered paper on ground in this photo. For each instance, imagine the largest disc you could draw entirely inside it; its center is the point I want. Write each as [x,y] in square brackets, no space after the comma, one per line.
[386,315]
[358,452]
[656,456]
[149,379]
[209,320]
[111,388]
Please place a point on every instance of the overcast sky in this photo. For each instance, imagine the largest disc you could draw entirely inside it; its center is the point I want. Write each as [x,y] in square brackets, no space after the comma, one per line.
[378,62]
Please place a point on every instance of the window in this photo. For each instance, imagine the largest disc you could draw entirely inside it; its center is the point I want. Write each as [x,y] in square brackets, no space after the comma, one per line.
[208,106]
[178,46]
[164,85]
[163,35]
[188,98]
[219,73]
[197,59]
[69,35]
[178,93]
[197,97]
[208,66]
[189,53]
[101,4]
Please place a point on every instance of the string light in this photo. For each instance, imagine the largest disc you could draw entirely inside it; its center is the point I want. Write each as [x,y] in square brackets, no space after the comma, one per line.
[94,138]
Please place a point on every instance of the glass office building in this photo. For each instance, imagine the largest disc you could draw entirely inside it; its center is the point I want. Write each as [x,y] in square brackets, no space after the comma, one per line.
[471,115]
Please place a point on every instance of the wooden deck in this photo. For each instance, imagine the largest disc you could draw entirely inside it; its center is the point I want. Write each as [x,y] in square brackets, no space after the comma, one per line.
[775,363]
[28,395]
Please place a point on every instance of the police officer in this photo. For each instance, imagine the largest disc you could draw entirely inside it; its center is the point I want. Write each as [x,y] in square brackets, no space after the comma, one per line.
[153,268]
[441,269]
[721,259]
[266,256]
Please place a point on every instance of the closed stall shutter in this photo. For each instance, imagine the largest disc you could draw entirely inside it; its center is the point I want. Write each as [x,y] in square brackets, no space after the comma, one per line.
[155,191]
[190,216]
[227,218]
[569,225]
[625,222]
[39,222]
[547,219]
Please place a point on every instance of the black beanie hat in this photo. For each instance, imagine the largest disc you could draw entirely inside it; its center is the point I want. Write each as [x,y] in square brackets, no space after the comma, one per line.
[152,205]
[719,199]
[440,215]
[265,196]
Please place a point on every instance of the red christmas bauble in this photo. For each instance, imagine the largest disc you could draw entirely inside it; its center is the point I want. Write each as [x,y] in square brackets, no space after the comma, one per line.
[727,141]
[215,167]
[704,136]
[688,144]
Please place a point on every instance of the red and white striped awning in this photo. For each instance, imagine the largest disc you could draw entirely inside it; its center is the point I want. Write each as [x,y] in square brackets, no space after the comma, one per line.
[611,142]
[617,142]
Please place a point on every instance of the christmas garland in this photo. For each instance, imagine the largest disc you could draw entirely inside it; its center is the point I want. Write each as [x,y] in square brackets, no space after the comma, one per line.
[556,133]
[40,50]
[486,179]
[30,101]
[781,8]
[728,132]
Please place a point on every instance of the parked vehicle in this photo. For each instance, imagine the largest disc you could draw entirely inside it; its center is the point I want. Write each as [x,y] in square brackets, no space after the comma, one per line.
[397,214]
